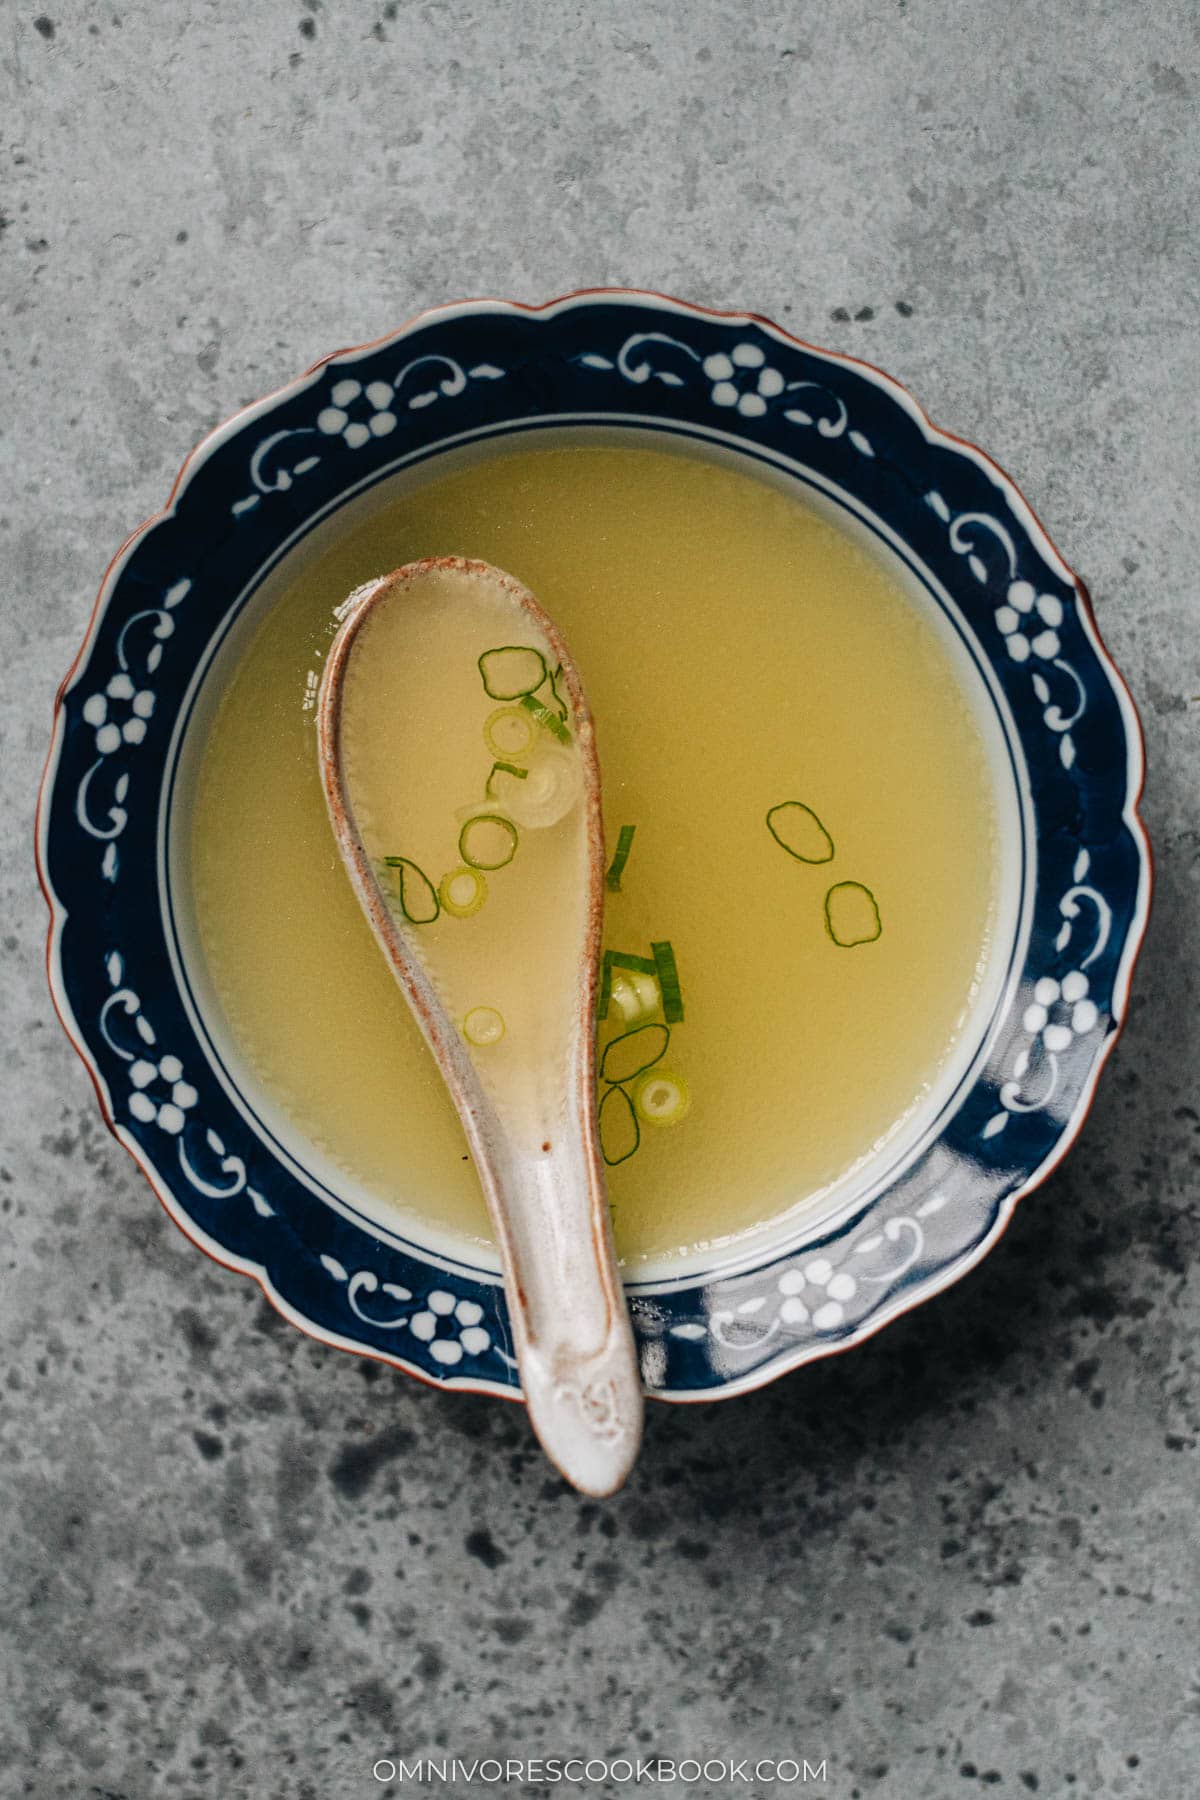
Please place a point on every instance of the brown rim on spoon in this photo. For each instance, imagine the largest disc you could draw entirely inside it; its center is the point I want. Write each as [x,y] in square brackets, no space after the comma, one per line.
[571,1328]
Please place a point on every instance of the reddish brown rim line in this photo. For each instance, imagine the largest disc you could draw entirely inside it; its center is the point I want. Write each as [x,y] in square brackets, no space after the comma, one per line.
[934,434]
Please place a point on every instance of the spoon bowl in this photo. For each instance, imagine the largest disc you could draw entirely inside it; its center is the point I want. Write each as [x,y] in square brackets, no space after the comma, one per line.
[528,1104]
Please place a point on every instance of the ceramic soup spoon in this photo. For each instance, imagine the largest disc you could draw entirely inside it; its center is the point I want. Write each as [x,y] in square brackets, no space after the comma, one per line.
[459,764]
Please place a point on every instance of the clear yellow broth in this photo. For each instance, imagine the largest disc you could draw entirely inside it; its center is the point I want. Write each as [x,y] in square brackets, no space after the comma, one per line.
[739,652]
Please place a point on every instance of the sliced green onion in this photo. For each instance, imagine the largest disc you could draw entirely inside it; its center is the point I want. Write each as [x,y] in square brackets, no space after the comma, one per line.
[605,994]
[617,866]
[488,841]
[483,1026]
[511,671]
[416,893]
[545,717]
[462,891]
[668,981]
[635,996]
[633,989]
[558,699]
[553,786]
[634,1052]
[509,732]
[503,768]
[620,1133]
[797,829]
[852,915]
[660,1098]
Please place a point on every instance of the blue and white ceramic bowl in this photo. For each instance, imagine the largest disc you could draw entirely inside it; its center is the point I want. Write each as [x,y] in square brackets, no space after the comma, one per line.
[1063,731]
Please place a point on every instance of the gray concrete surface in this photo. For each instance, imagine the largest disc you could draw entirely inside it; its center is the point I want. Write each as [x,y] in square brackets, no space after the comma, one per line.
[963,1558]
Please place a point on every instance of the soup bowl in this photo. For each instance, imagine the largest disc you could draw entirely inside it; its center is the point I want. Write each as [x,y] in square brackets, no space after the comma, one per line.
[1063,740]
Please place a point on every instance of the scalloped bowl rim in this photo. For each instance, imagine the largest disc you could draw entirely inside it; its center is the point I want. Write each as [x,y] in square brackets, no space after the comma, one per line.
[902,1301]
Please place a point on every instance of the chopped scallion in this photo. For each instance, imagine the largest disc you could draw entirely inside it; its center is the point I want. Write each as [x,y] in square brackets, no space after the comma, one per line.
[511,671]
[797,829]
[551,791]
[462,891]
[488,841]
[635,996]
[633,1053]
[660,1098]
[630,983]
[503,768]
[617,867]
[550,720]
[852,915]
[509,732]
[605,989]
[483,1026]
[620,1133]
[558,699]
[416,893]
[668,981]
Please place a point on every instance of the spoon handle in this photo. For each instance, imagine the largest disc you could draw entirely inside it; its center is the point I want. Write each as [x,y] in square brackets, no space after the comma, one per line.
[574,1340]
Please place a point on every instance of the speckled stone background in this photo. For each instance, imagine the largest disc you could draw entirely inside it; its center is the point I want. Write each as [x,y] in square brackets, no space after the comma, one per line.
[963,1558]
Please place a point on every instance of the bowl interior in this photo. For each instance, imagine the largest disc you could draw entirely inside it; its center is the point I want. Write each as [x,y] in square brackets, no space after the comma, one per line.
[877,1167]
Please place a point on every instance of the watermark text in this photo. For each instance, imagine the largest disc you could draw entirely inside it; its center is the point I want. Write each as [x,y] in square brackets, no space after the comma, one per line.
[549,1771]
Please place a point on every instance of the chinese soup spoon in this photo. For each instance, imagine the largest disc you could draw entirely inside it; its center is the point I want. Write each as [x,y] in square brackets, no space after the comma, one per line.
[459,765]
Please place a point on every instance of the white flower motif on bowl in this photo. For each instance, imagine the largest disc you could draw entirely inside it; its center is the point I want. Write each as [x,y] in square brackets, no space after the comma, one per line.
[729,375]
[167,1114]
[1040,614]
[97,712]
[461,1317]
[826,1305]
[376,402]
[1061,1010]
